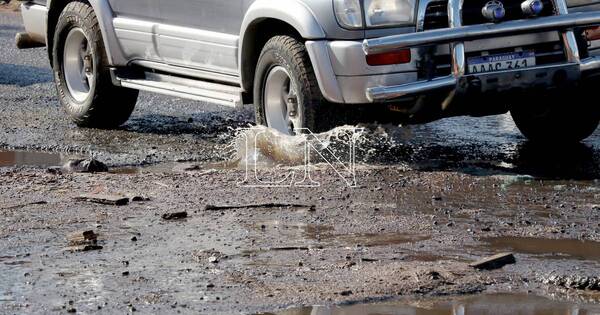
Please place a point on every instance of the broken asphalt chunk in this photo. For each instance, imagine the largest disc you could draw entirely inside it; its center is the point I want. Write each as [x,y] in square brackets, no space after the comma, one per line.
[175,215]
[83,241]
[139,198]
[82,238]
[494,262]
[114,200]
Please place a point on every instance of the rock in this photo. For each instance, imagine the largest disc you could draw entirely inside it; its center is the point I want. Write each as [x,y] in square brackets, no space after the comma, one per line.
[175,215]
[139,198]
[346,293]
[114,200]
[494,262]
[55,170]
[85,166]
[83,241]
[82,238]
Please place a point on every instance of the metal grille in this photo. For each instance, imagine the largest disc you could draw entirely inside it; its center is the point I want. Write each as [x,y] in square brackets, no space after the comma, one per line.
[436,15]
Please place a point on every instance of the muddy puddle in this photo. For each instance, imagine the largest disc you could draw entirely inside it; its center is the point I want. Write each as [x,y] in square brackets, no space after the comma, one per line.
[30,158]
[546,248]
[497,304]
[326,236]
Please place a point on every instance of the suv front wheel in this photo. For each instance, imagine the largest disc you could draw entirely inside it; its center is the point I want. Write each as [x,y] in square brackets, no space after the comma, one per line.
[286,95]
[81,71]
[558,116]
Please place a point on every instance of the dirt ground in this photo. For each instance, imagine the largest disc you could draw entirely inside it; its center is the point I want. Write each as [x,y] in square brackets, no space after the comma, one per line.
[429,201]
[400,234]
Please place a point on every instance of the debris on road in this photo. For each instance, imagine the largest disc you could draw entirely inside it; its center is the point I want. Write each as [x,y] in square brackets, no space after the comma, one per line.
[139,198]
[288,248]
[175,215]
[85,166]
[82,237]
[114,200]
[258,206]
[212,256]
[83,248]
[213,260]
[25,205]
[494,262]
[83,241]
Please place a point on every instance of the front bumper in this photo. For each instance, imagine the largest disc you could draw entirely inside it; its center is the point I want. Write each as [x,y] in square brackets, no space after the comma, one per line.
[457,34]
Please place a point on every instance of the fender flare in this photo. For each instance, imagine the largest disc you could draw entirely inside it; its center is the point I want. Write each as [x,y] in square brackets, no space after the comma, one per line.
[105,16]
[294,13]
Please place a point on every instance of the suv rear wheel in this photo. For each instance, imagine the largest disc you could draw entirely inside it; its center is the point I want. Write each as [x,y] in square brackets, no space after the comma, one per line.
[559,116]
[81,72]
[286,95]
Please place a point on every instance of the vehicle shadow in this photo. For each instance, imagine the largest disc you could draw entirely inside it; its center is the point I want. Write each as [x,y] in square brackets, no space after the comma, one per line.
[577,161]
[23,76]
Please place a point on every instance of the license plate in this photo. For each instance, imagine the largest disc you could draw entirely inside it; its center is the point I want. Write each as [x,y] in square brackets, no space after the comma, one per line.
[507,61]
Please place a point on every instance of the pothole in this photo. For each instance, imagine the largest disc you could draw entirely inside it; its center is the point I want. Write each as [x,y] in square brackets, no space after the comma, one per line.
[547,248]
[498,304]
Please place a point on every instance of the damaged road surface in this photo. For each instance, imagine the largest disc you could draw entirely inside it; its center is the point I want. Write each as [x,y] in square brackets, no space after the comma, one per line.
[431,205]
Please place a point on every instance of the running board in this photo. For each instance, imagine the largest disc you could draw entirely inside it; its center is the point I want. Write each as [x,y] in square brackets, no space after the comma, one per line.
[197,90]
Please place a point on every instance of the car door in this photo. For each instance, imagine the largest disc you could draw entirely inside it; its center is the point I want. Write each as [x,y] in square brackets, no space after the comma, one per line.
[134,22]
[201,34]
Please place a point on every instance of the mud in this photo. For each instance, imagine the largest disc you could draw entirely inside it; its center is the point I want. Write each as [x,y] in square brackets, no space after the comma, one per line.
[428,200]
[499,304]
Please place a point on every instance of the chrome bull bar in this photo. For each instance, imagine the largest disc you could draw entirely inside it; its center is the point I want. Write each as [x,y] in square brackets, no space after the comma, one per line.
[457,34]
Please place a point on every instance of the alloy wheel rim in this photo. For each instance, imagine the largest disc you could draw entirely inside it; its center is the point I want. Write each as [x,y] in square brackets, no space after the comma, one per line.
[281,102]
[78,65]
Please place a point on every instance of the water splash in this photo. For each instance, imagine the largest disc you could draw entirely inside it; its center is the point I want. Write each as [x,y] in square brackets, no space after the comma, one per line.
[264,147]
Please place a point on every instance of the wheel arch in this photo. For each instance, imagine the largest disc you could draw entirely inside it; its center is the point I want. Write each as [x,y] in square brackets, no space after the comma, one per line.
[265,19]
[105,17]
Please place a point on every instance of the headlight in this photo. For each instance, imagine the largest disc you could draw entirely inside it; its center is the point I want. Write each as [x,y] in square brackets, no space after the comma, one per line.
[389,12]
[348,13]
[377,13]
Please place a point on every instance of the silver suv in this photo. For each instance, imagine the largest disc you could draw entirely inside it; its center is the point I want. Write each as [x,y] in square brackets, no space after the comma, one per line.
[319,63]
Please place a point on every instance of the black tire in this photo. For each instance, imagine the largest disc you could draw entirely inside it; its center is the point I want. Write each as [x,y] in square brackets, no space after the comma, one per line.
[558,116]
[106,105]
[291,54]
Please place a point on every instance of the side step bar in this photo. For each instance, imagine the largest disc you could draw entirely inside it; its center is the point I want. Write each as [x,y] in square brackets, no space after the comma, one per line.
[197,90]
